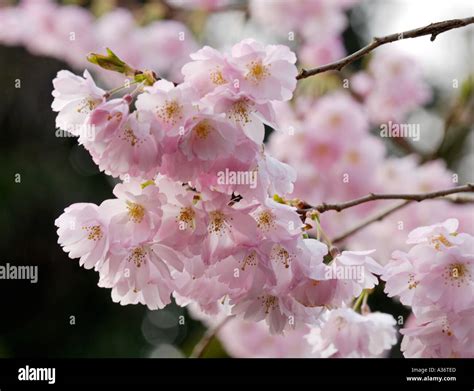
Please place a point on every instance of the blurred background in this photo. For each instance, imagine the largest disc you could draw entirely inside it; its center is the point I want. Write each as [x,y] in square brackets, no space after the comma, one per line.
[65,314]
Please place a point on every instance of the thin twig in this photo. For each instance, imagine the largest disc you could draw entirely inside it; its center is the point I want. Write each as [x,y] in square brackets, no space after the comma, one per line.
[379,216]
[433,29]
[324,207]
[202,346]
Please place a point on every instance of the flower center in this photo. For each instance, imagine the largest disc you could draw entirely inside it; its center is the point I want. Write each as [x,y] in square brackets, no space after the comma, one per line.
[280,254]
[94,232]
[136,212]
[249,260]
[265,220]
[257,71]
[129,136]
[186,215]
[412,284]
[239,111]
[217,223]
[170,112]
[217,78]
[86,105]
[202,130]
[445,329]
[268,302]
[456,274]
[137,256]
[322,150]
[335,120]
[439,240]
[353,157]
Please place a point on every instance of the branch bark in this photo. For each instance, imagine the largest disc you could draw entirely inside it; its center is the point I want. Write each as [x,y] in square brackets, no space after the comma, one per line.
[433,29]
[324,207]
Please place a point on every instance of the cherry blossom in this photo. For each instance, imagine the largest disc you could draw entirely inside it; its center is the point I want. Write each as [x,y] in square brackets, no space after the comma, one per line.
[83,233]
[447,336]
[205,214]
[74,98]
[345,333]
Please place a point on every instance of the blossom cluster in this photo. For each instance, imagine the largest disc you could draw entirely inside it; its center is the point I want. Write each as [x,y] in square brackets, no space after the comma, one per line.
[339,333]
[391,86]
[435,278]
[316,24]
[181,224]
[69,32]
[203,215]
[338,157]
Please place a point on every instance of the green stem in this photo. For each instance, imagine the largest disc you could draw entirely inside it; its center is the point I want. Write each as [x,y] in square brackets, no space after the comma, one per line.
[361,299]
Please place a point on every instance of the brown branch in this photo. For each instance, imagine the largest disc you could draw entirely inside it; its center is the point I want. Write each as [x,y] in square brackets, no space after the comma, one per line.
[433,29]
[379,216]
[202,346]
[324,207]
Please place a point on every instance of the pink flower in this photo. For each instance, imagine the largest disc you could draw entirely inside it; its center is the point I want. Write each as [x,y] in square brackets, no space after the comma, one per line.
[197,285]
[140,273]
[319,52]
[447,336]
[435,273]
[397,88]
[209,70]
[437,235]
[278,176]
[242,111]
[310,261]
[339,115]
[347,334]
[105,122]
[74,98]
[244,339]
[207,137]
[83,233]
[248,269]
[320,285]
[136,211]
[267,72]
[134,150]
[353,271]
[311,18]
[226,225]
[280,311]
[171,106]
[277,222]
[183,225]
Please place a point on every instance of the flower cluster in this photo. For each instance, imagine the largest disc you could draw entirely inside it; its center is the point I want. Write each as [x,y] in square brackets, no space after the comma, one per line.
[348,334]
[435,278]
[69,32]
[339,333]
[337,158]
[201,213]
[317,24]
[391,87]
